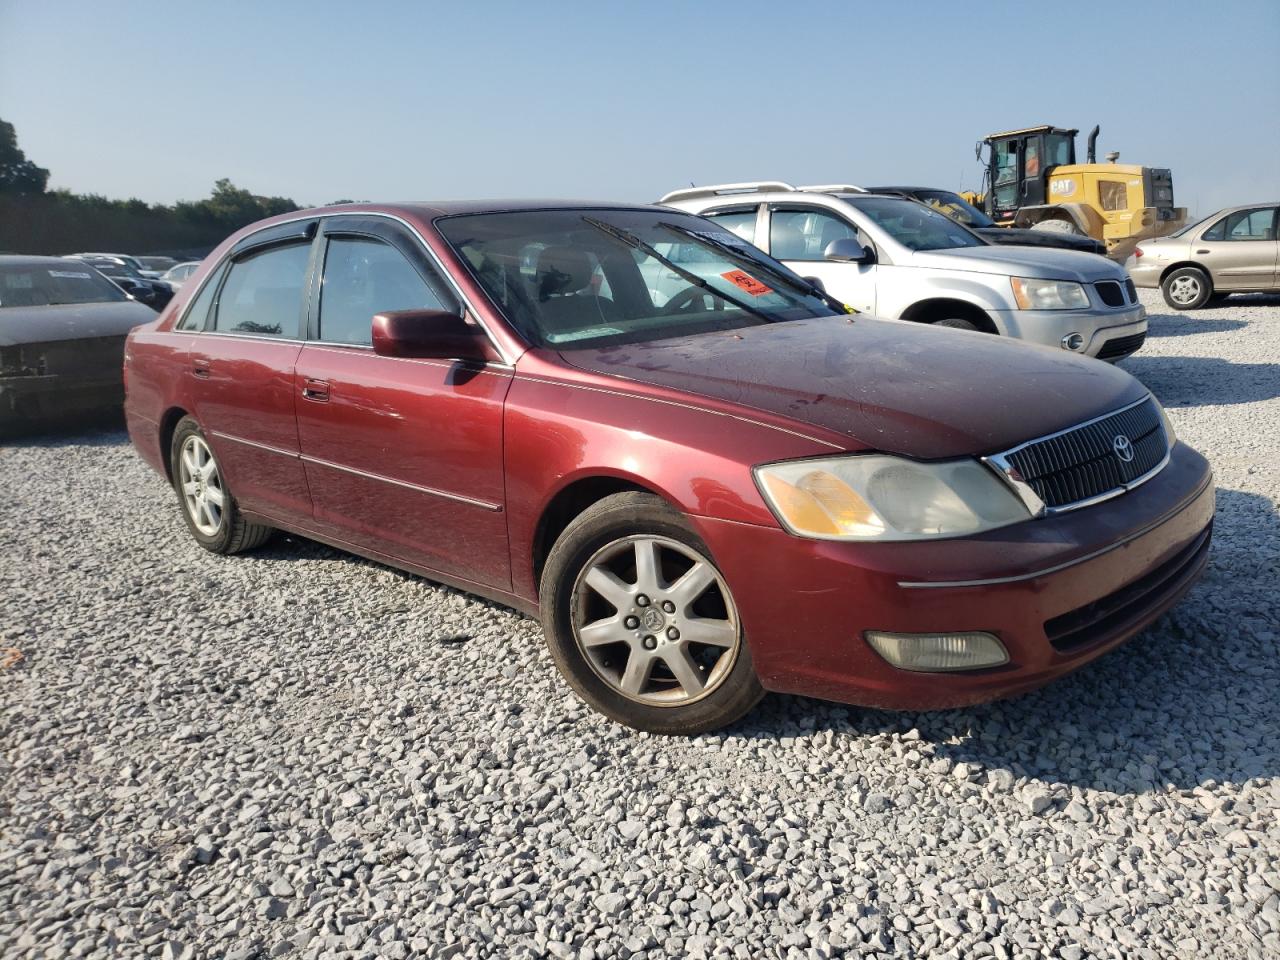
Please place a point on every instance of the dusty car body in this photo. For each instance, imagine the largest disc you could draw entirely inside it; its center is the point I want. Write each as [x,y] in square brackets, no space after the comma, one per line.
[62,335]
[704,495]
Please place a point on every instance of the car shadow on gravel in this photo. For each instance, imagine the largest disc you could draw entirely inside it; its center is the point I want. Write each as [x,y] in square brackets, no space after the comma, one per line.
[1190,700]
[1204,381]
[99,430]
[1181,324]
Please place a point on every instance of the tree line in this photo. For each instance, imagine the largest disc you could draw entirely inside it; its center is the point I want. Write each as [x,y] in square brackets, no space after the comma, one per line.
[36,220]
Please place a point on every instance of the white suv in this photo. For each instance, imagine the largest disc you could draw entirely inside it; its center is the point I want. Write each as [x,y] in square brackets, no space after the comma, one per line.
[901,259]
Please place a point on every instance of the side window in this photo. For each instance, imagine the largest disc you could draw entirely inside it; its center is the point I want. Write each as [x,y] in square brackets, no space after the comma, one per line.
[1217,232]
[741,222]
[198,312]
[1251,224]
[363,277]
[805,234]
[263,292]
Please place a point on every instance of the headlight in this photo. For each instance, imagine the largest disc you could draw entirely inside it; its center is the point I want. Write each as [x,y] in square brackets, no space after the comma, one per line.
[1048,294]
[876,497]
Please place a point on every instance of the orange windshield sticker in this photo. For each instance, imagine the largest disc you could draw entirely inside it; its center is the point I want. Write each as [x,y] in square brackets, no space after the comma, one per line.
[744,281]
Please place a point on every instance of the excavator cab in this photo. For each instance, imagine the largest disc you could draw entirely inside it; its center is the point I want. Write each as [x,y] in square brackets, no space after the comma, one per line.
[1018,165]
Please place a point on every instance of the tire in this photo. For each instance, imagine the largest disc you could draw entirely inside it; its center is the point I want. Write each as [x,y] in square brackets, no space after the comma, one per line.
[634,665]
[1058,225]
[203,497]
[1187,288]
[955,323]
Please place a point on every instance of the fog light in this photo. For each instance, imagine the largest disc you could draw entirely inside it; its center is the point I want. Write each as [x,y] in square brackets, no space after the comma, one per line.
[938,652]
[1072,341]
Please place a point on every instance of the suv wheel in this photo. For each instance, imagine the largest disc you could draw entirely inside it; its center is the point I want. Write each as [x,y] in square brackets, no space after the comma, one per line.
[1187,288]
[207,504]
[955,323]
[642,624]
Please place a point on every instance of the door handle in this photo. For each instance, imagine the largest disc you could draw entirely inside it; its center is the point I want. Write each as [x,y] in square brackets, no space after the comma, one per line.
[1201,252]
[200,368]
[317,390]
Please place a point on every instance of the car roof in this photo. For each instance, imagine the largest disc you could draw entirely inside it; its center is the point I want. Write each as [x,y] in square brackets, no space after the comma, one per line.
[428,209]
[30,260]
[907,189]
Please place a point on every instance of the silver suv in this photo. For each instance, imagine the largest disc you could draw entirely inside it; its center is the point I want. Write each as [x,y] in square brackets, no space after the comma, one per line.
[901,259]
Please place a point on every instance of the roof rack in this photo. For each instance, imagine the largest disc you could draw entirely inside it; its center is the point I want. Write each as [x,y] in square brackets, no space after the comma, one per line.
[833,188]
[716,190]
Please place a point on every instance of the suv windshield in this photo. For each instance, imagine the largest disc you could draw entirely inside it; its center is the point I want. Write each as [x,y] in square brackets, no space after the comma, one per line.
[956,207]
[590,277]
[914,225]
[40,285]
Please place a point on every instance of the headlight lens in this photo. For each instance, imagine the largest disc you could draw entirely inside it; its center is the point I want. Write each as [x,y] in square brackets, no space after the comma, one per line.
[1048,294]
[880,498]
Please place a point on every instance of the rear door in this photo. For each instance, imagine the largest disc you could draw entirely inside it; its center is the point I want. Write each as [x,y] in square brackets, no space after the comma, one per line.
[241,368]
[403,457]
[1241,250]
[798,236]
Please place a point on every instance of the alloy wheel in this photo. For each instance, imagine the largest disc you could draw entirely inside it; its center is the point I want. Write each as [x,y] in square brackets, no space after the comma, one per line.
[1184,289]
[201,485]
[655,620]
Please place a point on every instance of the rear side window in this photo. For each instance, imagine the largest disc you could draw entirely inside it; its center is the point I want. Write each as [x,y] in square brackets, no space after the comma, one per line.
[263,293]
[805,234]
[741,222]
[363,277]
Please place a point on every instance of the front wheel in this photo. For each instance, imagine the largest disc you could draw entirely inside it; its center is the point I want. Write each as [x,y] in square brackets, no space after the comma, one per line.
[207,504]
[955,323]
[1187,288]
[642,624]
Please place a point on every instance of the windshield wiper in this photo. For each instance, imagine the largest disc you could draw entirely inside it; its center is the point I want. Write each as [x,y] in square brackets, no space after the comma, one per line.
[763,266]
[631,240]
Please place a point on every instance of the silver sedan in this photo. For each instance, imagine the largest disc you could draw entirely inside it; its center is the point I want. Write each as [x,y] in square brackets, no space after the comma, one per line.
[1236,250]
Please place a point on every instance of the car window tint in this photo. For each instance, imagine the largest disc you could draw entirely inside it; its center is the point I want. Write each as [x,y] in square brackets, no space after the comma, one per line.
[199,311]
[805,234]
[263,293]
[741,222]
[1250,225]
[363,277]
[1217,232]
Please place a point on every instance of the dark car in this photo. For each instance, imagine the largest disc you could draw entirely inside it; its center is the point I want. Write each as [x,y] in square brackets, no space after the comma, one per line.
[154,293]
[705,491]
[959,209]
[62,332]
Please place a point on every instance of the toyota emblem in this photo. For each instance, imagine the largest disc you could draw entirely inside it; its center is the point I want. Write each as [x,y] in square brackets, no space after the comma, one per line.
[1123,447]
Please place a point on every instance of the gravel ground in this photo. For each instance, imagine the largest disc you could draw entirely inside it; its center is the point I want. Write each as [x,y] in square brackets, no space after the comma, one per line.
[299,753]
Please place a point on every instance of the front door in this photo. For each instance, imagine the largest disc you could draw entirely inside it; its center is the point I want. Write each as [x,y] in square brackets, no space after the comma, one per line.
[403,457]
[1240,250]
[241,364]
[799,235]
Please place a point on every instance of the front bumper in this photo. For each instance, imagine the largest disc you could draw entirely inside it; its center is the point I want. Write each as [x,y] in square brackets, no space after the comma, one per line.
[1058,592]
[1050,327]
[25,399]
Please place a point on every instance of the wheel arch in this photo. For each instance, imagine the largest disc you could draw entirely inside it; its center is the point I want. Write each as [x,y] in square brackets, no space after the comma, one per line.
[168,424]
[570,501]
[940,308]
[1086,219]
[1181,264]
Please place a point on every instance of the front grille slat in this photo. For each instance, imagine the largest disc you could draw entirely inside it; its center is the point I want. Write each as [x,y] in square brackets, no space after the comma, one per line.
[1081,464]
[1122,346]
[1111,292]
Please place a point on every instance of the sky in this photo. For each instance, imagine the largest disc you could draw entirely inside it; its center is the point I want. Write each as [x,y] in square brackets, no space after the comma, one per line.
[320,101]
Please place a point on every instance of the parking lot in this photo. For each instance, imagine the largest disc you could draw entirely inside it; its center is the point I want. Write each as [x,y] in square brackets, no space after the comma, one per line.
[295,752]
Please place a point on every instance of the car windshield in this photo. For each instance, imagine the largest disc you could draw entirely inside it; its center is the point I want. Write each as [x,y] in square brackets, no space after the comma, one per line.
[914,225]
[594,277]
[40,285]
[956,207]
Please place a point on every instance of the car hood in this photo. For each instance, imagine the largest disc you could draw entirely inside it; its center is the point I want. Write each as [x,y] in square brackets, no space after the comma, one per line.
[1044,262]
[921,392]
[71,321]
[1016,236]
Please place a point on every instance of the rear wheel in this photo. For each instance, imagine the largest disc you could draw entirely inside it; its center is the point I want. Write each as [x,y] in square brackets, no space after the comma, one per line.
[207,504]
[1058,225]
[642,624]
[1187,288]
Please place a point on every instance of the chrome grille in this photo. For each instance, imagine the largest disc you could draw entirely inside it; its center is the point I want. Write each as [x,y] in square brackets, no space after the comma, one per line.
[1080,465]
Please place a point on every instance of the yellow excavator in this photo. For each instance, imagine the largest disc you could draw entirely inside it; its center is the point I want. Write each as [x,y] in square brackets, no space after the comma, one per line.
[1031,179]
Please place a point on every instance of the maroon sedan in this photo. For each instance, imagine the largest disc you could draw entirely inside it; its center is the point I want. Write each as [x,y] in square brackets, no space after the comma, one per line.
[704,476]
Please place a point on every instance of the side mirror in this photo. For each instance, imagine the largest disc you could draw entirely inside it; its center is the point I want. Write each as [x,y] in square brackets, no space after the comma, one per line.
[429,334]
[848,250]
[817,283]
